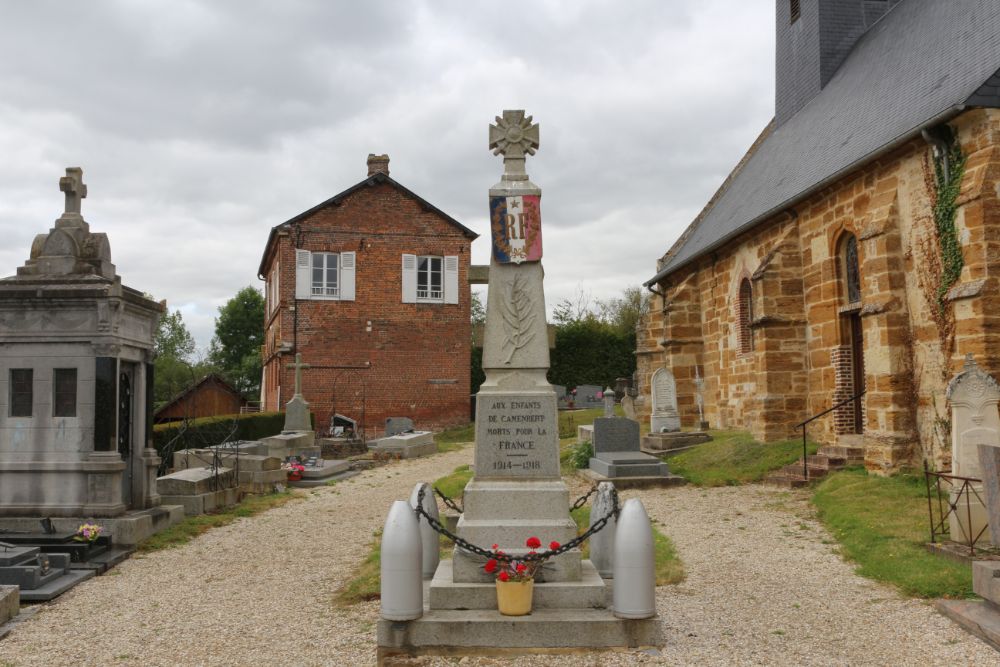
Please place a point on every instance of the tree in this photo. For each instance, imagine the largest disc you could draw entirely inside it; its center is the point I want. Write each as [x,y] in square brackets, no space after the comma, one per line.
[596,344]
[174,347]
[478,316]
[239,333]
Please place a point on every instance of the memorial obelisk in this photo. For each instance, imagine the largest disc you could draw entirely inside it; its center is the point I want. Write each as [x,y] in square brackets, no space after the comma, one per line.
[517,491]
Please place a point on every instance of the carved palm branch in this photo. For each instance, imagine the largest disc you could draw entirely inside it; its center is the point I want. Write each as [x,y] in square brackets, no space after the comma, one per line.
[518,316]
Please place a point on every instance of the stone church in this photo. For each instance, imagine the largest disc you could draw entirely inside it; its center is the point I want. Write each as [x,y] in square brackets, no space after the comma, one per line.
[853,254]
[372,287]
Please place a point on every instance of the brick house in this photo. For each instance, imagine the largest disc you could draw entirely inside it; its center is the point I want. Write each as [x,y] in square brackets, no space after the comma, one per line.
[821,267]
[368,287]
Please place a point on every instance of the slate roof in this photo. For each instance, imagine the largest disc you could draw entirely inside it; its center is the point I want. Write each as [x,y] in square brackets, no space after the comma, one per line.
[378,177]
[914,67]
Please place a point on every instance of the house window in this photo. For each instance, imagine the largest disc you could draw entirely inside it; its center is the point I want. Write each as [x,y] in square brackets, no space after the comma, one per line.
[21,393]
[745,334]
[64,392]
[429,279]
[325,275]
[850,271]
[794,10]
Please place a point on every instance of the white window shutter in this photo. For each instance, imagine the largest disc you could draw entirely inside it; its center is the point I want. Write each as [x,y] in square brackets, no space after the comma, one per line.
[347,260]
[303,274]
[409,278]
[451,279]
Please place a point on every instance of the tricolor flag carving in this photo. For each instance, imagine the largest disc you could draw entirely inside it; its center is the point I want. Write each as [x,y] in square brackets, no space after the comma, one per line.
[516,224]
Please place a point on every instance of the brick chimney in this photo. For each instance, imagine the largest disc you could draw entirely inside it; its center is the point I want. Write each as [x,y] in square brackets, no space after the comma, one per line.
[378,164]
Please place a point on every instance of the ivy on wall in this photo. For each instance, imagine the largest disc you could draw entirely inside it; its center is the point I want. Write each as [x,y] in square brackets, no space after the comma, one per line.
[949,167]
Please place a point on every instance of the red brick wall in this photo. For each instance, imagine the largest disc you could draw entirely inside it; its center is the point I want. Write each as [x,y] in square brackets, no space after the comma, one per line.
[374,357]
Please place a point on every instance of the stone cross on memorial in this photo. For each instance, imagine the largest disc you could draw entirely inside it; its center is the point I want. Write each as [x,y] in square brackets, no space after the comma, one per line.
[72,184]
[517,491]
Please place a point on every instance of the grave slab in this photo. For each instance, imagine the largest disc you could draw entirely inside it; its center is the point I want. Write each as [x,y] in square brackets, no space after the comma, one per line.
[9,603]
[201,503]
[406,445]
[195,481]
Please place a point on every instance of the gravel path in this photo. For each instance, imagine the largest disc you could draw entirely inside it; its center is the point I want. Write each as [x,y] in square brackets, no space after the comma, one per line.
[764,586]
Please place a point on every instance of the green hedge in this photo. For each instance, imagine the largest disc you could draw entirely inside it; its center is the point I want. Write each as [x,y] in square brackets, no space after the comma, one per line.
[208,431]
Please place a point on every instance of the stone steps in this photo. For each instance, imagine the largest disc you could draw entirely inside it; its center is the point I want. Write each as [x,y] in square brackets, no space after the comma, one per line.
[588,593]
[480,631]
[828,459]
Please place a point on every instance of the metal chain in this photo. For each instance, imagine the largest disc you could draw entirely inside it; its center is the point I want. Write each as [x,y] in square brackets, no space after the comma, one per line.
[595,527]
[448,501]
[582,500]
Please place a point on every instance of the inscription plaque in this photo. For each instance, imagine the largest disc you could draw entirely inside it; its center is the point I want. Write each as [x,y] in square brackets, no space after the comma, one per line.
[517,435]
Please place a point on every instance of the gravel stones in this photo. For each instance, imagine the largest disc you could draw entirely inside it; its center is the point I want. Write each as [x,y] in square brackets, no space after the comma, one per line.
[764,586]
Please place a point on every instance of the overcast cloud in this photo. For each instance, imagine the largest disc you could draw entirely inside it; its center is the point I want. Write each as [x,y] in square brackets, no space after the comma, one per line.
[200,125]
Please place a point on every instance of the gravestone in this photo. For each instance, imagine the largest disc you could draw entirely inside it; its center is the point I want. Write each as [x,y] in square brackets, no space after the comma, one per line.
[560,395]
[617,454]
[394,425]
[589,396]
[297,416]
[989,463]
[664,418]
[628,406]
[975,420]
[75,436]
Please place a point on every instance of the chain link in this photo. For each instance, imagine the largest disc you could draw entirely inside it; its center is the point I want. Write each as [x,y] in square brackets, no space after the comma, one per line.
[582,500]
[595,527]
[448,501]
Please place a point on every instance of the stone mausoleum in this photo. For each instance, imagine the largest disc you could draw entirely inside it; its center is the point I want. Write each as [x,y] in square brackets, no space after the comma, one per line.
[76,378]
[854,248]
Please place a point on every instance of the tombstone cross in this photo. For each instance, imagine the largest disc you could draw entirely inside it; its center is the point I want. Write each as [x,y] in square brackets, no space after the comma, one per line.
[298,366]
[72,184]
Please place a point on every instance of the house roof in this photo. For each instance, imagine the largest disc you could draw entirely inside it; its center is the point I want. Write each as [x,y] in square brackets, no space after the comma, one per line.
[370,181]
[923,62]
[193,387]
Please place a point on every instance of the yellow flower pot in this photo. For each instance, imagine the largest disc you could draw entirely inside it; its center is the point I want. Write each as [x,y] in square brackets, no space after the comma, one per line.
[514,597]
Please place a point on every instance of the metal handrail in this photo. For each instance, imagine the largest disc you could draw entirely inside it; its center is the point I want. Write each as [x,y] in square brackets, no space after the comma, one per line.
[803,425]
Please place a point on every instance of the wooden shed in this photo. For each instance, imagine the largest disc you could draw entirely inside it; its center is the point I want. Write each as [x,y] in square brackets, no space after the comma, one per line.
[208,397]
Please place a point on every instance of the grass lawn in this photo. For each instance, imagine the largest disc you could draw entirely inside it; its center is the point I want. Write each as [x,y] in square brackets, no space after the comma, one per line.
[453,438]
[734,457]
[882,525]
[193,526]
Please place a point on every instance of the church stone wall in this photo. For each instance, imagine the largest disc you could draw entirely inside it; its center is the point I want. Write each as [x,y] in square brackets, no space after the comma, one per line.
[801,356]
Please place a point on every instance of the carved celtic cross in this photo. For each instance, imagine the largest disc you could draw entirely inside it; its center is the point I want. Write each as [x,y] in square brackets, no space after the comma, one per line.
[299,367]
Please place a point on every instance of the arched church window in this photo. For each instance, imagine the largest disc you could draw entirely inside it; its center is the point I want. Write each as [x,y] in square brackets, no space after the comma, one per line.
[745,316]
[850,272]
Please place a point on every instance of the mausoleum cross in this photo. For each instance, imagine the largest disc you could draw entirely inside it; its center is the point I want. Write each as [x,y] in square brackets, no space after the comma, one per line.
[72,184]
[298,366]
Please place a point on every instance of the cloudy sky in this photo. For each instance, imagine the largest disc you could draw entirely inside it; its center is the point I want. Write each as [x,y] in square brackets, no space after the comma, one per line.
[201,124]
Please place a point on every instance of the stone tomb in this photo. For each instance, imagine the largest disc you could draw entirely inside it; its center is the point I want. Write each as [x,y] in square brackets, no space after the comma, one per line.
[975,420]
[76,359]
[254,473]
[10,604]
[200,490]
[664,418]
[396,425]
[617,456]
[40,576]
[407,445]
